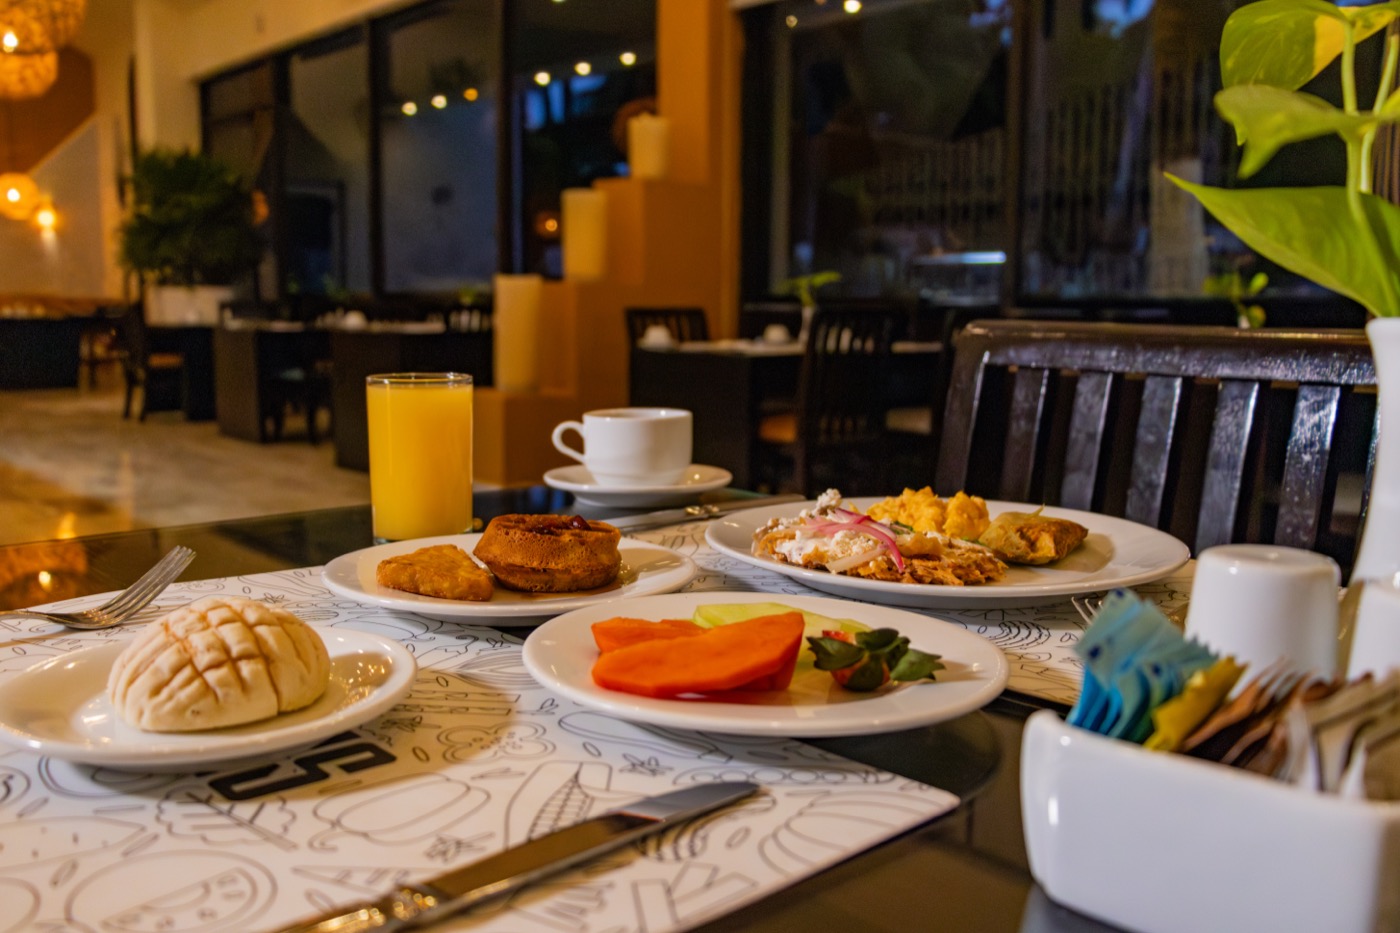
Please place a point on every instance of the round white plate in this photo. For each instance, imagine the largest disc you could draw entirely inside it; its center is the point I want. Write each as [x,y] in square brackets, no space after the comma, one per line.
[1116,553]
[60,708]
[646,569]
[698,478]
[560,655]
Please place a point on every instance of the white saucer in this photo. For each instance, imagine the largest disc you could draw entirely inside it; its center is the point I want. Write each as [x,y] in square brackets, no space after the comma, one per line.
[698,478]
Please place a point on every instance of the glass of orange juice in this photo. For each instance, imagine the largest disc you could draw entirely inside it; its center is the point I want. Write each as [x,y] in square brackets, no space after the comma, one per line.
[420,454]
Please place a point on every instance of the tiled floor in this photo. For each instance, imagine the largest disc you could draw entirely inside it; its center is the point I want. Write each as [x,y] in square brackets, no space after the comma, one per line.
[70,465]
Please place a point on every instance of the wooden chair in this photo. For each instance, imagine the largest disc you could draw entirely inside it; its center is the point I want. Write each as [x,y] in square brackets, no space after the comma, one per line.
[836,436]
[159,376]
[303,384]
[685,324]
[1214,434]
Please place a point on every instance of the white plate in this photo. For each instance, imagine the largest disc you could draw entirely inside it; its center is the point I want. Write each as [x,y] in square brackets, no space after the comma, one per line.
[59,708]
[1116,553]
[698,478]
[560,655]
[646,569]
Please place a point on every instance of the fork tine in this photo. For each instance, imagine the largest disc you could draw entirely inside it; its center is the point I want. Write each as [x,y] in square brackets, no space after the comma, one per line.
[149,586]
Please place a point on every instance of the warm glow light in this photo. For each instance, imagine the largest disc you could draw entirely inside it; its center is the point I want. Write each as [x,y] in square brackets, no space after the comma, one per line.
[10,41]
[851,6]
[583,68]
[19,196]
[46,218]
[439,101]
[628,58]
[551,225]
[45,579]
[409,108]
[471,93]
[791,21]
[542,78]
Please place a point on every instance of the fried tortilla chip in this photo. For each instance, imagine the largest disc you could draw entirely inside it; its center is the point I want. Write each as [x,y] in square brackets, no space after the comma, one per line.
[443,570]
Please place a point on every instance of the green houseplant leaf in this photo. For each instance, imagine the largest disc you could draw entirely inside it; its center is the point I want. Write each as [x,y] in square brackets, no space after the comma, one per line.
[1267,118]
[1286,43]
[1312,232]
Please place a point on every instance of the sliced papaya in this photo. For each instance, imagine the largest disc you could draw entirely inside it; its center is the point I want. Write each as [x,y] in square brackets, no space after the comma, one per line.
[730,657]
[612,634]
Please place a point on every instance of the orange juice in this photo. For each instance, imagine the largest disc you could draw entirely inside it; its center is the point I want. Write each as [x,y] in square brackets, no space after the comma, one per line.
[420,454]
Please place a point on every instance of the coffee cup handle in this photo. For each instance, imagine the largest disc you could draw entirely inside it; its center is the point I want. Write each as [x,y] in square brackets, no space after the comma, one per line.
[558,438]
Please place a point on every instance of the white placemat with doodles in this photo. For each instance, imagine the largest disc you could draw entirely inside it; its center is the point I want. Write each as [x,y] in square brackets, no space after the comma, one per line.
[476,758]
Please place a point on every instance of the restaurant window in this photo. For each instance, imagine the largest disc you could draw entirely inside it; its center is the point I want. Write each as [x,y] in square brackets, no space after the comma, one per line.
[326,196]
[578,72]
[438,107]
[1116,93]
[240,129]
[879,132]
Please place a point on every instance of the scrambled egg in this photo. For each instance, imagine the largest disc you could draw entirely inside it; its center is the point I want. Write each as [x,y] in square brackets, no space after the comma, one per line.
[962,516]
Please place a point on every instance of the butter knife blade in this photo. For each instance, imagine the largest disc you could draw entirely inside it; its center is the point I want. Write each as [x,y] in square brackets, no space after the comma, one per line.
[413,905]
[691,513]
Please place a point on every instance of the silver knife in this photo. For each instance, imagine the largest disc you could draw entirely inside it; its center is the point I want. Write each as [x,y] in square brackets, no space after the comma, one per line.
[691,513]
[413,905]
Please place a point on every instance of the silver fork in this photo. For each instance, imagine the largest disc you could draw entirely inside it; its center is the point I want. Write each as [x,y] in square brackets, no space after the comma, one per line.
[1089,606]
[126,603]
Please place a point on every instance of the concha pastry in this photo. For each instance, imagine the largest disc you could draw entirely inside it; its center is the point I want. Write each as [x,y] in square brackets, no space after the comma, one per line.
[550,553]
[220,661]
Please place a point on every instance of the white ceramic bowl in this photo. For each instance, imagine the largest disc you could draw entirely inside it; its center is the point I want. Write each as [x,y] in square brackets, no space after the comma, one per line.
[1161,843]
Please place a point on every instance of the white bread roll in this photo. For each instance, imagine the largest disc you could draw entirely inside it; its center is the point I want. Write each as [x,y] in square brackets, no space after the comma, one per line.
[220,661]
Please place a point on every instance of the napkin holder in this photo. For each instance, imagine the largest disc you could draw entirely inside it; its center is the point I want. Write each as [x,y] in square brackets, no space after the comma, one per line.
[1161,842]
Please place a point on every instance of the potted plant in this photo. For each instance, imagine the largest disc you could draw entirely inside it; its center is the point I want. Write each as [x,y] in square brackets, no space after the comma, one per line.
[1340,236]
[189,233]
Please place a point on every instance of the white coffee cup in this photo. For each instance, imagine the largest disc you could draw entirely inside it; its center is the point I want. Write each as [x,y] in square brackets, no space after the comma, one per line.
[631,446]
[1375,640]
[1265,604]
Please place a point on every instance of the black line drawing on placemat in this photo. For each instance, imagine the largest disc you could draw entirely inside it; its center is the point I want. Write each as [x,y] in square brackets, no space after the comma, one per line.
[444,694]
[21,901]
[832,824]
[514,740]
[794,774]
[694,892]
[68,779]
[397,811]
[33,842]
[225,892]
[500,669]
[680,743]
[692,839]
[195,811]
[559,794]
[14,784]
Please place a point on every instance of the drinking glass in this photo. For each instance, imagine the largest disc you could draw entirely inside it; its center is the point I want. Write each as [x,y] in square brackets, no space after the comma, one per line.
[420,454]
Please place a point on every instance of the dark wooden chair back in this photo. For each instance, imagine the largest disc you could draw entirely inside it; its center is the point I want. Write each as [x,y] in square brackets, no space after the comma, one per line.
[1214,434]
[159,376]
[839,423]
[685,324]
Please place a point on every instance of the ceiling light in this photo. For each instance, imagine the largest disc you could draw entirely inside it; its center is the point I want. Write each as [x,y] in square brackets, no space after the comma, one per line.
[583,68]
[542,78]
[851,6]
[628,58]
[471,93]
[19,196]
[9,41]
[439,101]
[46,218]
[409,108]
[791,21]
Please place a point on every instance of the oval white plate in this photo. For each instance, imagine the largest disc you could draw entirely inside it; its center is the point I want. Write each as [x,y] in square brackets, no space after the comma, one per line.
[1116,553]
[560,655]
[59,708]
[698,478]
[646,568]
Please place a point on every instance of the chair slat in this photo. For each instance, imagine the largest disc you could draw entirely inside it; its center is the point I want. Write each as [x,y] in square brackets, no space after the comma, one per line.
[1305,465]
[1086,432]
[1229,441]
[960,417]
[1029,388]
[1152,448]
